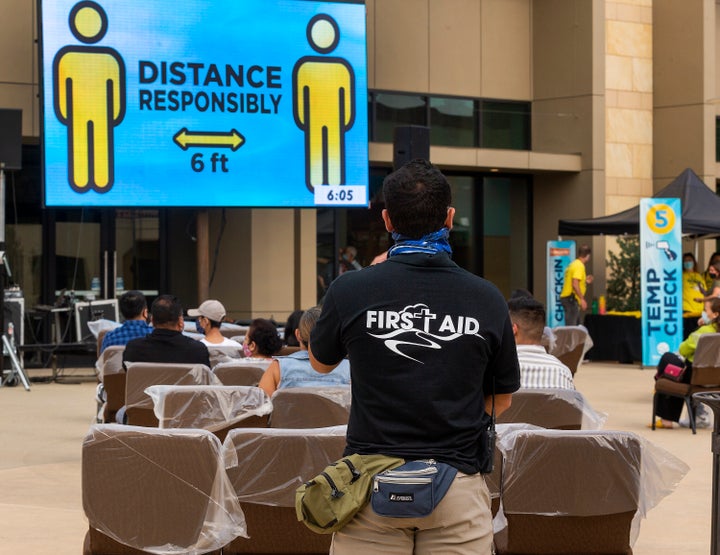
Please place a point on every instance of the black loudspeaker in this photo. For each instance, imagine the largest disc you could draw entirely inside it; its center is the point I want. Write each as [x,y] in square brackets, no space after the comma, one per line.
[410,142]
[11,139]
[14,309]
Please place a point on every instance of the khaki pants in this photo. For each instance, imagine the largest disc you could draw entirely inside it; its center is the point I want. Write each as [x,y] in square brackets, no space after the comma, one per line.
[460,525]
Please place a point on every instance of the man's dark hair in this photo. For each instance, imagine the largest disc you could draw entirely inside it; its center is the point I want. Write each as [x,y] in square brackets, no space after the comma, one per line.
[265,335]
[166,309]
[417,197]
[529,316]
[584,250]
[132,303]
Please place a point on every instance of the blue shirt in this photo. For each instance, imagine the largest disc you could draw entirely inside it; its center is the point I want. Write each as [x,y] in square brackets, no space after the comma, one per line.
[295,371]
[131,329]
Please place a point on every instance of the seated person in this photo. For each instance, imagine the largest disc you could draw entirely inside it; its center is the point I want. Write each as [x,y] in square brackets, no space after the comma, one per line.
[669,408]
[166,343]
[210,315]
[261,340]
[295,370]
[538,368]
[133,308]
[289,337]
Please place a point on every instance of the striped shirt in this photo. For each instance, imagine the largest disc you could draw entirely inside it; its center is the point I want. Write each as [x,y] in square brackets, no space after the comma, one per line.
[538,369]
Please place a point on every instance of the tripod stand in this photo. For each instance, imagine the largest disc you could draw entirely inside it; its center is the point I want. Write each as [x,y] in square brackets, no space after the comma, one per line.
[8,345]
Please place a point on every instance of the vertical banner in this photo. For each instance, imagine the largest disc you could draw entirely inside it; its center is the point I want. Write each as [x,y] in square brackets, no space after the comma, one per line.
[559,255]
[661,277]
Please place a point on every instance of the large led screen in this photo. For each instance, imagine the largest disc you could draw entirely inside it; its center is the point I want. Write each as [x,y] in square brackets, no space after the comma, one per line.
[204,103]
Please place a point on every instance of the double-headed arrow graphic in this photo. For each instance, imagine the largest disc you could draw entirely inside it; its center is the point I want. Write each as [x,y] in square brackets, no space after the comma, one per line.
[219,139]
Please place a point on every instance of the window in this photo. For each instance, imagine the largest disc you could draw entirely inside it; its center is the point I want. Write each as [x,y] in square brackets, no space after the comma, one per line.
[453,122]
[392,110]
[505,125]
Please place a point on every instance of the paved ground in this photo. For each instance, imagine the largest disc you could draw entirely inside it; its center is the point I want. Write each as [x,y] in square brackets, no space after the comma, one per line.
[41,434]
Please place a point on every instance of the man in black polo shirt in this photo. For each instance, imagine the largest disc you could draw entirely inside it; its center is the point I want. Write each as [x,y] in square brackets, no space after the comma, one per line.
[428,342]
[167,343]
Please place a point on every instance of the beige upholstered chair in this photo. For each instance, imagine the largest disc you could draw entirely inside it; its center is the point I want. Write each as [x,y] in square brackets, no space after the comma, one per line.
[241,372]
[310,407]
[217,408]
[112,374]
[219,354]
[162,490]
[141,375]
[705,376]
[266,466]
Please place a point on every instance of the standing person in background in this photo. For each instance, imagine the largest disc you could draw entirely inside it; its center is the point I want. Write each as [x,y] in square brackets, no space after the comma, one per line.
[572,296]
[428,344]
[348,260]
[693,286]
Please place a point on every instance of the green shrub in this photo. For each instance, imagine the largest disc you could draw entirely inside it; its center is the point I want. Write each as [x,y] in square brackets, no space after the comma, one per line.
[623,286]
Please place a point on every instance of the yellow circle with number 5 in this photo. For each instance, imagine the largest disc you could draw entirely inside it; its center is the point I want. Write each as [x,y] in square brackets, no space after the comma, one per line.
[660,218]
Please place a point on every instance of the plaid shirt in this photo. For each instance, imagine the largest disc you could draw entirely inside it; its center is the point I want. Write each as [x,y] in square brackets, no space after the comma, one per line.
[131,329]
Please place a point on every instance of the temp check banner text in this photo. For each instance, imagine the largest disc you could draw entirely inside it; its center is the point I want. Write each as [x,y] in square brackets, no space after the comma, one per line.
[197,103]
[661,277]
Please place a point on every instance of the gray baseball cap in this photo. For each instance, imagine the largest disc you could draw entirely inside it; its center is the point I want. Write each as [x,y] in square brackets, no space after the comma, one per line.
[212,309]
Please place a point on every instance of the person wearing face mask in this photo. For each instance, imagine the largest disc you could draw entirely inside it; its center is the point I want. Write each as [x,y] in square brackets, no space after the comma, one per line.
[709,278]
[261,340]
[693,286]
[668,409]
[209,316]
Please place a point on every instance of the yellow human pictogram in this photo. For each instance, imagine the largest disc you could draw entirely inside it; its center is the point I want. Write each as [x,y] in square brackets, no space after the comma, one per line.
[323,104]
[89,90]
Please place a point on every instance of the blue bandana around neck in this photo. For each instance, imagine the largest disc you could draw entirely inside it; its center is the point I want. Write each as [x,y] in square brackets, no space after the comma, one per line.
[432,243]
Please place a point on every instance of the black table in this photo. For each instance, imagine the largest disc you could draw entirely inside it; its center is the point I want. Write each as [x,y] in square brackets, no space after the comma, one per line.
[617,338]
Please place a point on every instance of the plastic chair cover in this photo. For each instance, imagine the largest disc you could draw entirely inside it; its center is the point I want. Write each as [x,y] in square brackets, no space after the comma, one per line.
[161,491]
[585,473]
[567,338]
[210,407]
[267,465]
[141,375]
[110,361]
[308,407]
[554,409]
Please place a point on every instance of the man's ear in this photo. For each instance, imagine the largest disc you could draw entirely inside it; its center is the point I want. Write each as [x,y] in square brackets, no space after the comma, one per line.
[181,324]
[515,329]
[450,217]
[386,218]
[297,336]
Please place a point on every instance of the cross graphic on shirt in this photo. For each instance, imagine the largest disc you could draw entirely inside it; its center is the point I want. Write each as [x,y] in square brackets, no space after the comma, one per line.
[426,315]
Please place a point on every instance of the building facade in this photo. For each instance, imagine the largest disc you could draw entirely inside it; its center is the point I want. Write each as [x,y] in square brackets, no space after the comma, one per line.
[538,110]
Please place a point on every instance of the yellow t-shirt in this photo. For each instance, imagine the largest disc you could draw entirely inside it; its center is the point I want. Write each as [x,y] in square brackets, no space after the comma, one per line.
[575,270]
[692,282]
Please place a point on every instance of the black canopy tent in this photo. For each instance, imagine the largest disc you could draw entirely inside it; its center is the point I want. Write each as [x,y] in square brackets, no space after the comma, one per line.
[700,212]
